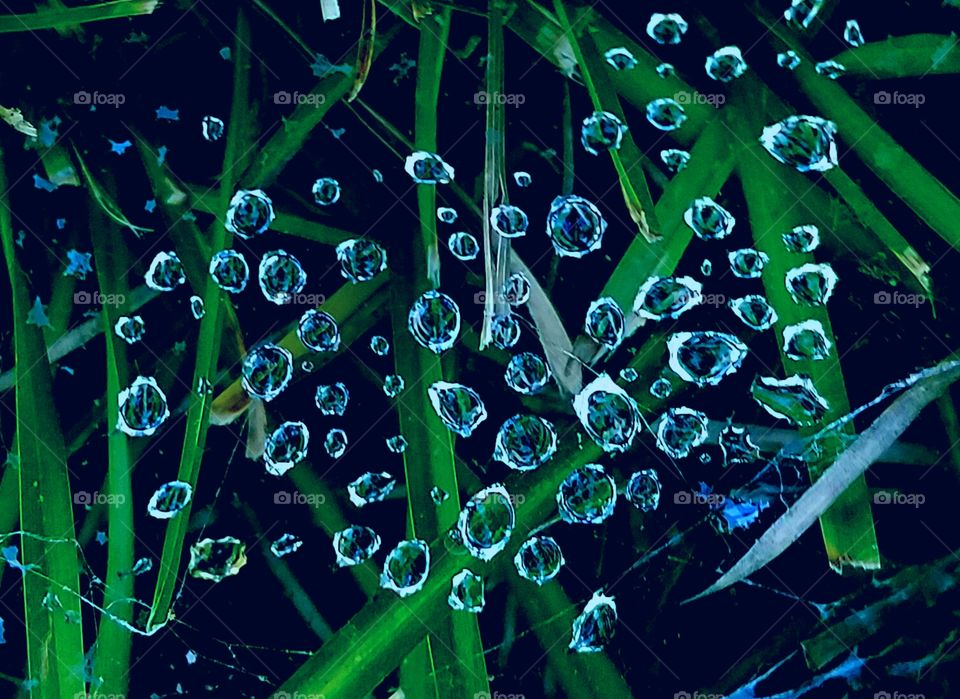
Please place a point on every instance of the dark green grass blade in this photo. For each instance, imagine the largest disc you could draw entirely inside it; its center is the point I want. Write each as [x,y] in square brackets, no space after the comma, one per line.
[54,638]
[911,56]
[68,17]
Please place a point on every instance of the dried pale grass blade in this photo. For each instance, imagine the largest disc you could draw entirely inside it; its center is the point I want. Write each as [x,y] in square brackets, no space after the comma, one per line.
[365,49]
[256,430]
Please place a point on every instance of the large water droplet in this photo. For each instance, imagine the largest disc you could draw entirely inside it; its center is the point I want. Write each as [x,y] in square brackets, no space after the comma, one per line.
[666,28]
[165,272]
[216,559]
[143,408]
[709,220]
[587,495]
[602,131]
[286,447]
[463,246]
[605,322]
[680,431]
[803,142]
[428,168]
[505,330]
[509,221]
[726,64]
[355,545]
[806,341]
[755,312]
[370,487]
[318,331]
[575,226]
[406,567]
[466,592]
[169,499]
[527,373]
[794,398]
[130,329]
[747,263]
[517,289]
[811,284]
[434,321]
[326,191]
[666,298]
[486,522]
[525,442]
[250,213]
[666,114]
[705,358]
[266,371]
[332,398]
[539,559]
[459,407]
[595,626]
[361,259]
[608,414]
[281,276]
[230,271]
[643,490]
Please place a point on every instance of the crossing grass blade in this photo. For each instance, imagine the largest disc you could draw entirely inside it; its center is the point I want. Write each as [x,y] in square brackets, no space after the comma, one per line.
[69,17]
[911,56]
[367,46]
[54,639]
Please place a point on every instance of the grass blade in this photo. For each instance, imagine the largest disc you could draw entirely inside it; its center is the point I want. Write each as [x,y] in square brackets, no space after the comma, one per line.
[54,638]
[365,50]
[105,201]
[912,56]
[68,17]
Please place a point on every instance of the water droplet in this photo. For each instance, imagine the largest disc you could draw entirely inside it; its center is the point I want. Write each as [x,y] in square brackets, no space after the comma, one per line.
[335,442]
[406,568]
[332,399]
[438,495]
[747,263]
[466,592]
[802,142]
[643,490]
[169,499]
[428,168]
[459,407]
[680,431]
[370,487]
[355,545]
[539,559]
[788,59]
[525,442]
[143,408]
[397,444]
[602,131]
[754,311]
[216,559]
[434,321]
[595,626]
[831,69]
[587,495]
[666,114]
[575,226]
[726,64]
[286,447]
[794,399]
[281,277]
[802,239]
[608,414]
[266,371]
[705,358]
[212,128]
[666,298]
[620,58]
[801,13]
[130,329]
[666,28]
[250,213]
[286,544]
[361,259]
[709,220]
[196,307]
[666,70]
[165,272]
[486,522]
[446,215]
[230,271]
[393,385]
[527,373]
[326,191]
[509,221]
[517,289]
[505,330]
[811,284]
[736,445]
[463,246]
[379,345]
[706,267]
[629,374]
[318,331]
[852,34]
[675,159]
[605,322]
[806,341]
[661,388]
[523,179]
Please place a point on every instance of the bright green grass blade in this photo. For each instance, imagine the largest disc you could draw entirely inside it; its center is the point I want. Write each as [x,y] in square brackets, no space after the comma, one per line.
[208,342]
[65,18]
[105,201]
[911,56]
[54,638]
[930,199]
[847,527]
[112,657]
[627,159]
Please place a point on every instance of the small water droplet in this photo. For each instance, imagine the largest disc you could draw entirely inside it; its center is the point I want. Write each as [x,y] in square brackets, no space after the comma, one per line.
[397,444]
[379,345]
[747,263]
[165,272]
[620,58]
[332,399]
[643,490]
[523,179]
[831,69]
[705,358]
[463,246]
[169,499]
[801,13]
[335,443]
[666,28]
[216,559]
[446,215]
[505,330]
[517,289]
[428,168]
[486,522]
[212,128]
[595,626]
[811,284]
[434,321]
[286,544]
[806,341]
[754,311]
[802,238]
[355,545]
[196,307]
[608,414]
[726,64]
[666,114]
[709,220]
[605,322]
[680,431]
[318,331]
[788,59]
[794,398]
[661,389]
[130,329]
[602,131]
[466,592]
[675,159]
[666,298]
[286,447]
[629,374]
[736,445]
[370,487]
[326,191]
[509,221]
[852,33]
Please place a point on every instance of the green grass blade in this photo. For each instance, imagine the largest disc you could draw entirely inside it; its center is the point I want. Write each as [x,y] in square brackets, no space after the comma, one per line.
[911,56]
[68,17]
[105,201]
[112,658]
[848,530]
[54,638]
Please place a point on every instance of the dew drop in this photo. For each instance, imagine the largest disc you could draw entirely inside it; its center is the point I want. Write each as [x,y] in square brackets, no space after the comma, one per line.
[355,545]
[230,271]
[525,442]
[286,447]
[486,522]
[527,373]
[539,559]
[459,407]
[370,487]
[361,259]
[587,495]
[142,408]
[608,414]
[169,499]
[266,371]
[281,277]
[406,567]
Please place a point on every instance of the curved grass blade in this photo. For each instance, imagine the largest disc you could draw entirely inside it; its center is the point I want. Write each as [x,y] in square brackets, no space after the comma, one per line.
[365,50]
[55,651]
[911,56]
[105,201]
[848,467]
[69,17]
